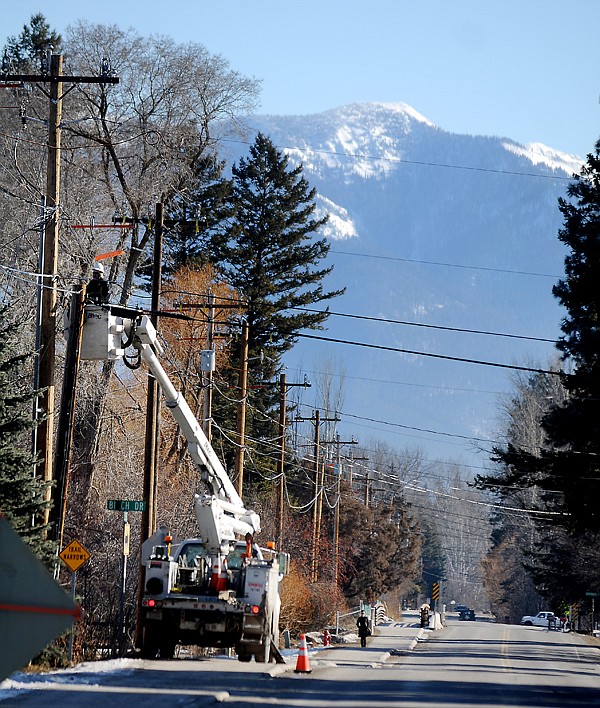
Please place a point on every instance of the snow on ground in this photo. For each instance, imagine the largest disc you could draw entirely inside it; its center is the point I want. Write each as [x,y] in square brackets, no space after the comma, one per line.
[85,673]
[89,673]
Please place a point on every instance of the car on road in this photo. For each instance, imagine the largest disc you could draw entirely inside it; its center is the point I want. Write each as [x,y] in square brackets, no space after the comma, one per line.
[467,614]
[542,619]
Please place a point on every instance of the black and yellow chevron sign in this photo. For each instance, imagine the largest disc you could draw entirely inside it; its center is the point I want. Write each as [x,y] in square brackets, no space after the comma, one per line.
[435,592]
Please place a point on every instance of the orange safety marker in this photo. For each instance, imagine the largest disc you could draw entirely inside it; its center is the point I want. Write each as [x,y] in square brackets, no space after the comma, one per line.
[218,578]
[102,256]
[303,664]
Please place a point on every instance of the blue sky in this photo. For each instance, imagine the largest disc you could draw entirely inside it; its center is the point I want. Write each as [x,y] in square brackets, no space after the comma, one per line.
[523,69]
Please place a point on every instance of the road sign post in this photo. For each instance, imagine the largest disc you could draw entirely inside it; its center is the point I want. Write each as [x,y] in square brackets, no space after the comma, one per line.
[124,505]
[74,556]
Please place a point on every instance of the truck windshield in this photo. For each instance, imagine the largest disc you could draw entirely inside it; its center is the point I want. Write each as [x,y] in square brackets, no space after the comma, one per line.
[191,553]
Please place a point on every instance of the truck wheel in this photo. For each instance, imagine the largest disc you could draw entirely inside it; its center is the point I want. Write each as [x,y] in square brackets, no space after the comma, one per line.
[243,655]
[528,624]
[264,654]
[167,648]
[150,641]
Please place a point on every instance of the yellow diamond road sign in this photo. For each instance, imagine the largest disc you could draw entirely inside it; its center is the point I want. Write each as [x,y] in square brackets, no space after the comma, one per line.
[74,555]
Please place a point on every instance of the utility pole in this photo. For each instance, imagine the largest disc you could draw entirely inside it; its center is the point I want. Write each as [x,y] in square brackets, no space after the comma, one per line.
[241,415]
[208,374]
[49,295]
[318,487]
[64,435]
[318,492]
[151,435]
[46,359]
[153,395]
[283,387]
[338,501]
[281,459]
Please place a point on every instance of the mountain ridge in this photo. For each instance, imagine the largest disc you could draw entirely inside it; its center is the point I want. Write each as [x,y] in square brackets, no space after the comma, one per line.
[448,226]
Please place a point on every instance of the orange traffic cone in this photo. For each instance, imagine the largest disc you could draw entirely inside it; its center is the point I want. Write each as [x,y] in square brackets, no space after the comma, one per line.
[303,664]
[218,578]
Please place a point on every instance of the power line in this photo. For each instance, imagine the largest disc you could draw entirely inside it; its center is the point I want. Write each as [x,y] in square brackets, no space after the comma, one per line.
[428,326]
[454,389]
[400,160]
[431,355]
[419,430]
[448,265]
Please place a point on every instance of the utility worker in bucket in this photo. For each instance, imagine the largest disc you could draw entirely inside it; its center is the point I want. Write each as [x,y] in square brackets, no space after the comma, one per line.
[363,628]
[97,288]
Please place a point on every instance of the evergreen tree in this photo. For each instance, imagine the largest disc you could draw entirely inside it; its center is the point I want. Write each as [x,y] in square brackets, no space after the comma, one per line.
[434,559]
[568,462]
[21,493]
[202,211]
[576,424]
[558,477]
[570,459]
[379,548]
[271,258]
[29,50]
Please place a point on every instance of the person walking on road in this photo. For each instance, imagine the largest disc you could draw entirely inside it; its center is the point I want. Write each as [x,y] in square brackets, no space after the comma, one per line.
[363,628]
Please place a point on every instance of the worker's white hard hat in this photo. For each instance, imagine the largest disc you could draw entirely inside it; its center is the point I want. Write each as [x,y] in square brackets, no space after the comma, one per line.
[98,267]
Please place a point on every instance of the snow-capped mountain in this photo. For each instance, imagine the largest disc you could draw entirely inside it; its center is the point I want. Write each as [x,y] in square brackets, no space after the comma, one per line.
[434,229]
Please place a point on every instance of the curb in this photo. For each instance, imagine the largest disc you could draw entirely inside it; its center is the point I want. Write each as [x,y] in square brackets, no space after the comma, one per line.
[422,633]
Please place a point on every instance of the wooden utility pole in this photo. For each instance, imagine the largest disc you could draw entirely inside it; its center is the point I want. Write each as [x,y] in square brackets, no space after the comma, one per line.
[64,435]
[283,387]
[50,269]
[208,375]
[241,412]
[148,520]
[319,471]
[153,396]
[281,459]
[46,358]
[318,492]
[338,501]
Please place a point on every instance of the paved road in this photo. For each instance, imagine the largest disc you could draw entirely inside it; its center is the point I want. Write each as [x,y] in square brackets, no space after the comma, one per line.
[466,664]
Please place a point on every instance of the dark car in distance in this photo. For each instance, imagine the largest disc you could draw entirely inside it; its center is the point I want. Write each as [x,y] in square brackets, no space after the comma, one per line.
[467,614]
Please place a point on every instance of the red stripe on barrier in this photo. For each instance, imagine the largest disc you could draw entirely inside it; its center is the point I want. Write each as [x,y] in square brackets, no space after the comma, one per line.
[41,610]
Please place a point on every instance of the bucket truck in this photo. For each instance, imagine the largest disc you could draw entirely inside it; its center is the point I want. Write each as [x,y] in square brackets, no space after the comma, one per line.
[215,590]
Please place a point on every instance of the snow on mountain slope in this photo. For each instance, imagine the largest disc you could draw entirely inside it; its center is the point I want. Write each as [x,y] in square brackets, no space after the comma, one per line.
[538,154]
[437,229]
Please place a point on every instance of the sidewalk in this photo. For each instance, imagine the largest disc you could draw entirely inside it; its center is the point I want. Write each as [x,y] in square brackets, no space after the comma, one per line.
[395,638]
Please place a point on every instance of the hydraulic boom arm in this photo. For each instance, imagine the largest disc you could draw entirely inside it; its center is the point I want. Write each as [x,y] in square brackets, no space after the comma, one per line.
[220,514]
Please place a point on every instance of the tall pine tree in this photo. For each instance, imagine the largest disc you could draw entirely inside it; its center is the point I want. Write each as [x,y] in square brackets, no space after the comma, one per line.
[569,460]
[272,258]
[21,492]
[28,51]
[201,209]
[574,427]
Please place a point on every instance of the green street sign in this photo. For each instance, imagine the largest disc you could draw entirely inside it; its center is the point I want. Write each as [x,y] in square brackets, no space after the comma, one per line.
[125,505]
[592,594]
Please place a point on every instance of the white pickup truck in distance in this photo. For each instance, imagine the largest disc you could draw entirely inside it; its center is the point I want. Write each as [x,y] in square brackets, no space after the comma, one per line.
[542,619]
